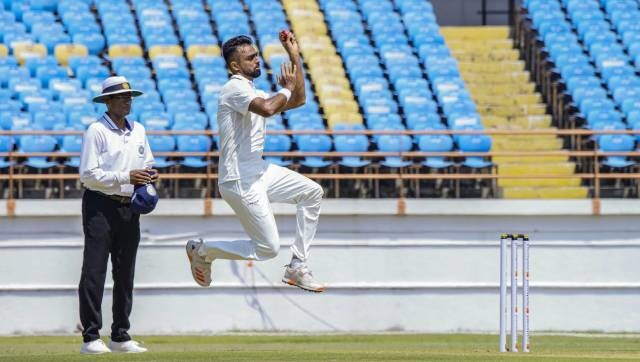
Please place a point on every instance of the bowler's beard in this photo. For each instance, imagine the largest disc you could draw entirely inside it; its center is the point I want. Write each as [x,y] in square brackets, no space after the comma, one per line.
[256,73]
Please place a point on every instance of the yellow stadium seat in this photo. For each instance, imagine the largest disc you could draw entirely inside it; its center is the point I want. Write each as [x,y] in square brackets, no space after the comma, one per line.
[312,52]
[300,17]
[529,143]
[328,82]
[519,193]
[530,122]
[329,72]
[273,49]
[343,118]
[335,93]
[317,29]
[475,32]
[195,51]
[529,159]
[125,50]
[64,51]
[563,192]
[27,50]
[325,60]
[4,51]
[557,168]
[300,4]
[158,50]
[542,182]
[339,105]
[315,42]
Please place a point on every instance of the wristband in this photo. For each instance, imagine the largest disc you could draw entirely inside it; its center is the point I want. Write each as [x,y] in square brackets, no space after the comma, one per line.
[285,92]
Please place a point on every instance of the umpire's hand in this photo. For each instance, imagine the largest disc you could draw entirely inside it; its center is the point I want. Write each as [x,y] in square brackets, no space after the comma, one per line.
[140,177]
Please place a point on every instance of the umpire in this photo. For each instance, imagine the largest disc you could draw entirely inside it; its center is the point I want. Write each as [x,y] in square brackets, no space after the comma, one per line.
[115,157]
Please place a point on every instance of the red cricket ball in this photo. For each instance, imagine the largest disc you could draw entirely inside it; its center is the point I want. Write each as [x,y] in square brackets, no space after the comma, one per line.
[284,34]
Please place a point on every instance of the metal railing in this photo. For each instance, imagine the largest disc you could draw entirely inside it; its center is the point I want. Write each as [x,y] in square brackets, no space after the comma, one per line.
[415,173]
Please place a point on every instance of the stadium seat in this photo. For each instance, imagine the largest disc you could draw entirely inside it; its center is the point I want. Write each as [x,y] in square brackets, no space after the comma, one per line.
[159,144]
[6,145]
[28,50]
[352,143]
[436,143]
[201,50]
[165,50]
[64,51]
[475,143]
[277,143]
[395,143]
[193,144]
[39,143]
[125,50]
[72,143]
[617,143]
[314,143]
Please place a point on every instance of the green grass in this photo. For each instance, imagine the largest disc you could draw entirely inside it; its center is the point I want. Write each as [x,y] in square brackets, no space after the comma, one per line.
[393,347]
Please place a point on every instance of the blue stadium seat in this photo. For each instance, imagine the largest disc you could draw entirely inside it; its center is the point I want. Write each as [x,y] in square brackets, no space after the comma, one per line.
[6,145]
[193,143]
[395,143]
[193,120]
[617,143]
[475,143]
[436,143]
[8,74]
[277,143]
[314,143]
[162,143]
[72,143]
[38,143]
[33,63]
[419,120]
[48,73]
[84,72]
[155,120]
[351,143]
[94,41]
[49,120]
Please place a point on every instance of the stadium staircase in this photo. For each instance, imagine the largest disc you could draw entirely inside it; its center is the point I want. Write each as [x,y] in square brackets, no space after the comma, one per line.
[508,100]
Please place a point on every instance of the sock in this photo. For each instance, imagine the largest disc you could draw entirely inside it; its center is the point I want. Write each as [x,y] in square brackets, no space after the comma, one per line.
[296,263]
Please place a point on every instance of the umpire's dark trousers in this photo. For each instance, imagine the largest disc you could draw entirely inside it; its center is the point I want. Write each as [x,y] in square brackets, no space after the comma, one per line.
[110,227]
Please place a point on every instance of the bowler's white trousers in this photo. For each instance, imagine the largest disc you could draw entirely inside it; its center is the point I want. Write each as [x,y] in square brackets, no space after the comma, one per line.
[251,200]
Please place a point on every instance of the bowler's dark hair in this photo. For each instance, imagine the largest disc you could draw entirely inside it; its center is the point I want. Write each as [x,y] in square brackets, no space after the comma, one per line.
[230,47]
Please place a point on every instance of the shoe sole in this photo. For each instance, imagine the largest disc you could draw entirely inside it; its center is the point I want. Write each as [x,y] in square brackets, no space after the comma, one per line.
[291,282]
[103,352]
[191,267]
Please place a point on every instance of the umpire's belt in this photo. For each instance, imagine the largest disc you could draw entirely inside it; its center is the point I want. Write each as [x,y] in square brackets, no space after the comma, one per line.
[118,198]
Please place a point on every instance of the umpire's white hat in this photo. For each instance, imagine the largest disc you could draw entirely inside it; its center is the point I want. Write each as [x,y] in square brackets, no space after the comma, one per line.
[115,85]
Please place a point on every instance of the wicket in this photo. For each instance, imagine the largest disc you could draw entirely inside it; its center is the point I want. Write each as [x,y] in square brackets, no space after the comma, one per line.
[515,241]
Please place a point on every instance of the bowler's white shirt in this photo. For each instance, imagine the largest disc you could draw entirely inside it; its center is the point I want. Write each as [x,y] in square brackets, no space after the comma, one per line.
[241,132]
[110,153]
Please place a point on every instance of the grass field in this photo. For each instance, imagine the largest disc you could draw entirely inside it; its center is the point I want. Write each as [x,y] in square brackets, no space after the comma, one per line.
[394,347]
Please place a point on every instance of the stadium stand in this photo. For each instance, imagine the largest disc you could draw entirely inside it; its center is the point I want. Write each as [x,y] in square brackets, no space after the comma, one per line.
[507,100]
[585,55]
[377,65]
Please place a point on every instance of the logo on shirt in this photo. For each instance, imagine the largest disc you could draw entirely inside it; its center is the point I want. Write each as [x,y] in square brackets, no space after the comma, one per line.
[141,150]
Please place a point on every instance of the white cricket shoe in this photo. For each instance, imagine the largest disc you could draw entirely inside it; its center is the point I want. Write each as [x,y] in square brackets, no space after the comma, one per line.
[302,277]
[126,347]
[200,267]
[94,347]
